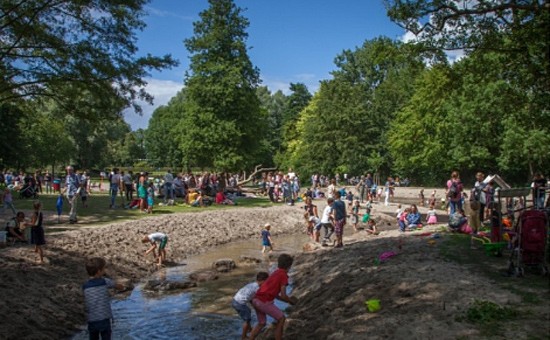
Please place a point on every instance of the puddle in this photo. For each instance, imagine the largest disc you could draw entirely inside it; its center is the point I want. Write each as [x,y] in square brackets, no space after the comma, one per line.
[203,312]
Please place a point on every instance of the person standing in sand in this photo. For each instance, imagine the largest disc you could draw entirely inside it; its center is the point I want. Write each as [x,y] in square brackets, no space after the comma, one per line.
[339,215]
[153,239]
[37,231]
[327,221]
[266,239]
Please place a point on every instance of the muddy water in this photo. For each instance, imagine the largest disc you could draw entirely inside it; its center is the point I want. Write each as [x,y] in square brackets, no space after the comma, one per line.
[203,312]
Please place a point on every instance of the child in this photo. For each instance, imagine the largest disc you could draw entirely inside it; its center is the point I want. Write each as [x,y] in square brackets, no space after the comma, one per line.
[403,220]
[244,296]
[432,199]
[355,214]
[398,213]
[431,216]
[96,297]
[84,194]
[266,238]
[327,222]
[8,200]
[315,230]
[37,231]
[153,238]
[371,227]
[59,207]
[475,222]
[273,288]
[421,198]
[150,197]
[349,198]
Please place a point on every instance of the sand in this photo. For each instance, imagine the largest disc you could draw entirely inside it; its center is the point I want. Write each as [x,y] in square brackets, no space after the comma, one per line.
[422,294]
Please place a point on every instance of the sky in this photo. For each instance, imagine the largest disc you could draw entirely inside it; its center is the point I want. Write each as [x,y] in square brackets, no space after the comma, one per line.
[290,41]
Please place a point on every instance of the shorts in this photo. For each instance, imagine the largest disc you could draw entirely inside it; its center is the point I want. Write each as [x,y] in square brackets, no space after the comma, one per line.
[269,308]
[162,244]
[339,227]
[150,201]
[244,311]
[354,219]
[266,243]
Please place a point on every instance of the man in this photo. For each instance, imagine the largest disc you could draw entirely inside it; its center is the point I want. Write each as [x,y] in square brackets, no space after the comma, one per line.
[72,184]
[168,189]
[128,185]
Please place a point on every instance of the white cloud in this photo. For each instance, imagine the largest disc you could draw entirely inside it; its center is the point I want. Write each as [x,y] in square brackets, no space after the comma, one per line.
[162,91]
[161,13]
[276,84]
[452,55]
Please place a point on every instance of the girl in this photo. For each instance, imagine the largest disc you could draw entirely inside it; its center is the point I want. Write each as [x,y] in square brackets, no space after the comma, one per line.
[150,197]
[37,231]
[431,215]
[355,214]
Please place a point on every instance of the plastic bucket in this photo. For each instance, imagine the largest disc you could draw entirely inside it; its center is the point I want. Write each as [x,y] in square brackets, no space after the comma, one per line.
[373,305]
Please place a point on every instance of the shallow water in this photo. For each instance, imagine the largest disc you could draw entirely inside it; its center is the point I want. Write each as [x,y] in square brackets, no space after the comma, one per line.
[203,312]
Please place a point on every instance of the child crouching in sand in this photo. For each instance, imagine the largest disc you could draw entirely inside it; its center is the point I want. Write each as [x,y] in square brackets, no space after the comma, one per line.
[153,239]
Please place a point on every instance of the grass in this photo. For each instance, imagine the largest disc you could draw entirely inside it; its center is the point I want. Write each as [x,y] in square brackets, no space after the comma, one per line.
[490,318]
[98,211]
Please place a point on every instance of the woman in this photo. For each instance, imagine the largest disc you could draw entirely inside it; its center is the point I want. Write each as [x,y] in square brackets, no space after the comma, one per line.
[414,219]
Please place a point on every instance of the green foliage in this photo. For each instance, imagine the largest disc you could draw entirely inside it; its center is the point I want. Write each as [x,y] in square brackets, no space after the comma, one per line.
[222,115]
[483,312]
[61,49]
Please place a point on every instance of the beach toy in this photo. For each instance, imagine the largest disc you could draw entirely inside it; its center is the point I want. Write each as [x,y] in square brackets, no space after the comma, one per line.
[386,255]
[373,305]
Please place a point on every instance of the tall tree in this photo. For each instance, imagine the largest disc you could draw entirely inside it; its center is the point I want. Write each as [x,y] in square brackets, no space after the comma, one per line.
[223,119]
[60,49]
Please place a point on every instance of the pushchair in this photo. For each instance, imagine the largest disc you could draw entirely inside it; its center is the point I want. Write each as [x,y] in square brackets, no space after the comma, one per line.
[530,244]
[28,191]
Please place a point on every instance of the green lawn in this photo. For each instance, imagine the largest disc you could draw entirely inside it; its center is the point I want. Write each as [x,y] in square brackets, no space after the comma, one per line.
[98,211]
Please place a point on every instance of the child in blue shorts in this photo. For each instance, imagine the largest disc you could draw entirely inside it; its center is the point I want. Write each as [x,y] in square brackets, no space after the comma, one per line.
[243,297]
[153,239]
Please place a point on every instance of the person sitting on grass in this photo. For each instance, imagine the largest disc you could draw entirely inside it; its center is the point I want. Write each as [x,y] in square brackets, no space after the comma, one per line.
[153,239]
[222,199]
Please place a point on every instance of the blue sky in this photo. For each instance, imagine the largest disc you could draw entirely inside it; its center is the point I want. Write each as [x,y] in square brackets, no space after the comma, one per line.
[290,41]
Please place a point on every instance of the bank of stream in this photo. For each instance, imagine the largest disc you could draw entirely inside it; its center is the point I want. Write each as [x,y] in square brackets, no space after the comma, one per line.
[203,312]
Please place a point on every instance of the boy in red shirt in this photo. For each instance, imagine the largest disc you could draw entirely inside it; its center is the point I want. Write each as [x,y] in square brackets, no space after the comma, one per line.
[273,288]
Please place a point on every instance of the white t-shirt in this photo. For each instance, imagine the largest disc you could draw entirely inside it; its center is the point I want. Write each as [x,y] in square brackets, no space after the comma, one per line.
[157,237]
[326,214]
[245,294]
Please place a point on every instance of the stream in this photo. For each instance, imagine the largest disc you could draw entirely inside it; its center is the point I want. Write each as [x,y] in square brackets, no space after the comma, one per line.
[203,312]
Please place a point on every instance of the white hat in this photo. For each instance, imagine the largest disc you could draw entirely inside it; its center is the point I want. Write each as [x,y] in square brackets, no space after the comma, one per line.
[267,225]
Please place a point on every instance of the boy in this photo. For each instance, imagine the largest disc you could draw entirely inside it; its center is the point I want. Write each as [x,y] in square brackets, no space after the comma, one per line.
[266,239]
[153,238]
[97,299]
[273,288]
[244,296]
[326,221]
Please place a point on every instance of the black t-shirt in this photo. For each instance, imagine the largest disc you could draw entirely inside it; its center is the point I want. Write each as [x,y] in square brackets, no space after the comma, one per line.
[540,183]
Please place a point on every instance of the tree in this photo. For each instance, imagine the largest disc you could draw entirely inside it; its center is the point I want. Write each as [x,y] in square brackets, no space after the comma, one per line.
[60,49]
[223,119]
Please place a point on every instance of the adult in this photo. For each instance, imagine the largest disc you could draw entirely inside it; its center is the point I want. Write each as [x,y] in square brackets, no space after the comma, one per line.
[339,214]
[369,183]
[48,182]
[454,193]
[388,190]
[479,194]
[291,174]
[539,190]
[128,181]
[414,219]
[361,187]
[72,184]
[331,189]
[168,189]
[114,180]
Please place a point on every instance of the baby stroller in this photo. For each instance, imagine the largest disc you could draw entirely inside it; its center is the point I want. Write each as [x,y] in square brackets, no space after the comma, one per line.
[28,191]
[530,243]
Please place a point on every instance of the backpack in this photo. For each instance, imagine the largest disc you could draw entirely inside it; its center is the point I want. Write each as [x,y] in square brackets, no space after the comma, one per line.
[454,190]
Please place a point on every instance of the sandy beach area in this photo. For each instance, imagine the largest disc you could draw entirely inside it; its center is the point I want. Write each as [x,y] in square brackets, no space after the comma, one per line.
[422,294]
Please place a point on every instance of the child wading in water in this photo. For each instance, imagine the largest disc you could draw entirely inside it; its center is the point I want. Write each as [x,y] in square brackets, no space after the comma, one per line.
[273,288]
[243,297]
[162,240]
[266,239]
[97,299]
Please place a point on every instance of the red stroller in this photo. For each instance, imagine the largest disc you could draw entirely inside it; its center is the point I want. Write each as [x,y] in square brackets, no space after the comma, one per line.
[530,244]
